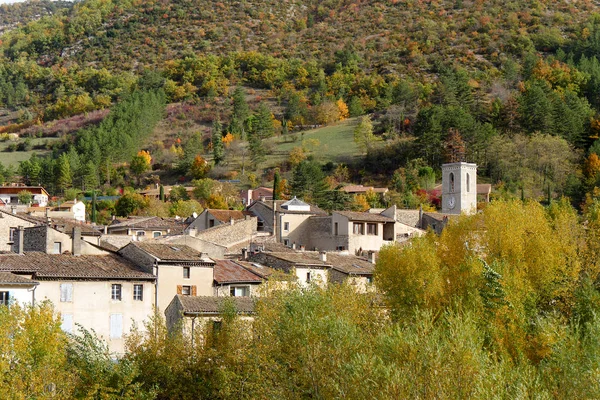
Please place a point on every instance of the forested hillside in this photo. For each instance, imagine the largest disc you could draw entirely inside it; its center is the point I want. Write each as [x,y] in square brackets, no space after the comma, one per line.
[516,82]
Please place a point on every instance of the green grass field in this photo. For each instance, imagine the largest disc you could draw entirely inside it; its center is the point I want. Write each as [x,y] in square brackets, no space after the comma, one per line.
[331,143]
[13,158]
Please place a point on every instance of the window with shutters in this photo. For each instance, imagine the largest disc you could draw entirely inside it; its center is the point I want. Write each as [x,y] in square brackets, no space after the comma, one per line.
[116,326]
[186,290]
[67,323]
[66,292]
[57,249]
[115,293]
[138,292]
[4,298]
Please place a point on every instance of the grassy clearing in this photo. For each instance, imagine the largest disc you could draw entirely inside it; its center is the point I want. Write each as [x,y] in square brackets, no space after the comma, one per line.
[335,143]
[13,158]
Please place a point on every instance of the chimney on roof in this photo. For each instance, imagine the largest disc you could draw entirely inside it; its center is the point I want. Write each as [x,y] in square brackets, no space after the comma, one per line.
[371,256]
[192,232]
[76,241]
[302,247]
[156,186]
[323,256]
[13,209]
[230,220]
[20,238]
[244,253]
[46,211]
[294,246]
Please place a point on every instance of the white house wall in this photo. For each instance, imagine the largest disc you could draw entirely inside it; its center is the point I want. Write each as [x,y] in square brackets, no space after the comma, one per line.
[92,306]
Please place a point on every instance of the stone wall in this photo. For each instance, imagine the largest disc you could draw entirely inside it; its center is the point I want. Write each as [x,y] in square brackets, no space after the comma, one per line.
[8,221]
[228,235]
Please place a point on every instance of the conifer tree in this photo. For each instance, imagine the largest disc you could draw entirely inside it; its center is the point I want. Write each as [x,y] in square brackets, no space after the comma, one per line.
[217,142]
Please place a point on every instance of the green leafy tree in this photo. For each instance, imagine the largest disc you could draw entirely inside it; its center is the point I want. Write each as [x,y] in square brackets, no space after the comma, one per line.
[363,134]
[25,197]
[240,113]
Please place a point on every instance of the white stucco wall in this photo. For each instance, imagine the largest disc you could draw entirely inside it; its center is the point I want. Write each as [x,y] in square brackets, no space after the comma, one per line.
[19,294]
[169,277]
[317,275]
[92,306]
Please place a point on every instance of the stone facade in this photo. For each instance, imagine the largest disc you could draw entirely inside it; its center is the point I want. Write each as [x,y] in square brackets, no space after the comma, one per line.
[45,239]
[459,188]
[8,229]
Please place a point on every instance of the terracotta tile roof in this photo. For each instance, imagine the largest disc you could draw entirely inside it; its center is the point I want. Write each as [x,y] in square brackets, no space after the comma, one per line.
[364,216]
[171,252]
[17,189]
[347,263]
[226,215]
[66,225]
[227,271]
[484,188]
[176,226]
[258,269]
[214,305]
[12,279]
[350,264]
[44,265]
[363,189]
[269,204]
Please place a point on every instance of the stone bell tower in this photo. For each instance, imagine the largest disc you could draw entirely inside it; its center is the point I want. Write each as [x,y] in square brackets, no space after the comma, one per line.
[459,188]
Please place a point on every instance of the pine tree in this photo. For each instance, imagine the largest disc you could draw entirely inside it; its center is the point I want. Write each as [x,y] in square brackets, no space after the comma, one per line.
[276,180]
[240,114]
[217,142]
[64,178]
[263,122]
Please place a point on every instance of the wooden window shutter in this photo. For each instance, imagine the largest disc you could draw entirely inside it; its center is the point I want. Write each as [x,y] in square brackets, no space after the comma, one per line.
[194,292]
[179,289]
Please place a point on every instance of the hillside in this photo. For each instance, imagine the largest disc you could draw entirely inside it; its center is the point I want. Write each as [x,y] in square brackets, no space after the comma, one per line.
[480,77]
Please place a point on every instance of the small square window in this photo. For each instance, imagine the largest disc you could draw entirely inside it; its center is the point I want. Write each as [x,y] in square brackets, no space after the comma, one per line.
[186,290]
[11,234]
[308,277]
[138,292]
[116,291]
[140,233]
[156,234]
[286,226]
[57,249]
[186,272]
[286,242]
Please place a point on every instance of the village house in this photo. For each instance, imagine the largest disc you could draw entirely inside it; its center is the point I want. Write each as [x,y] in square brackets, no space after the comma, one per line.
[360,189]
[233,279]
[9,195]
[70,210]
[9,223]
[220,241]
[44,238]
[178,268]
[261,193]
[15,288]
[210,218]
[320,267]
[286,220]
[104,293]
[193,313]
